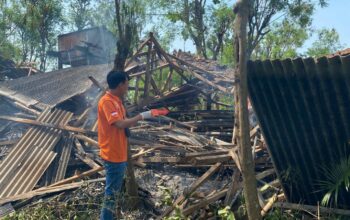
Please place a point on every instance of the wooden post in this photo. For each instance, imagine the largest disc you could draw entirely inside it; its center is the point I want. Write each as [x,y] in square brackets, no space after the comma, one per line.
[241,129]
[148,73]
[136,89]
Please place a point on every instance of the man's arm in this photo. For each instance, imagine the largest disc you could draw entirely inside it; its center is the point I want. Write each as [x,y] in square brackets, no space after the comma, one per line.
[126,123]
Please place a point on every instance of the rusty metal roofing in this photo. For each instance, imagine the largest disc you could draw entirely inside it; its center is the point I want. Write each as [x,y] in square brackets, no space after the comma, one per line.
[30,157]
[48,89]
[303,106]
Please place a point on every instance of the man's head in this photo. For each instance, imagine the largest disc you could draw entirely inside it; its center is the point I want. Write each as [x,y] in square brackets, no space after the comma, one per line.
[118,82]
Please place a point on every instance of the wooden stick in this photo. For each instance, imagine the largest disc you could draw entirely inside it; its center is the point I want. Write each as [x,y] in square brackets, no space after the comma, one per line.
[268,205]
[325,210]
[137,52]
[46,190]
[87,139]
[204,202]
[77,177]
[143,72]
[43,124]
[192,188]
[96,83]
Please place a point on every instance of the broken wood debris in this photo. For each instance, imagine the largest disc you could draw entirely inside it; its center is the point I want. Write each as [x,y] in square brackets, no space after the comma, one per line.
[184,138]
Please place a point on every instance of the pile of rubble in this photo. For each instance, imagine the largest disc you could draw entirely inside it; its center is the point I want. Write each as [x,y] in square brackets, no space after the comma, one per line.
[58,151]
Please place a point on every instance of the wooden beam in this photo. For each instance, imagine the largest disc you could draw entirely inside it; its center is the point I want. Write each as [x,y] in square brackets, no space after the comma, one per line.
[128,62]
[148,73]
[203,79]
[154,69]
[136,89]
[210,159]
[43,124]
[155,87]
[168,79]
[164,54]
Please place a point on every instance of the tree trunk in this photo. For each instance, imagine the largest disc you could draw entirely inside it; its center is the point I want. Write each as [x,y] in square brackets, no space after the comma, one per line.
[131,184]
[241,96]
[123,48]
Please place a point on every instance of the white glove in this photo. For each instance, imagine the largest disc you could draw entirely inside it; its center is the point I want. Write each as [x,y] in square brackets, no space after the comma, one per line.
[146,115]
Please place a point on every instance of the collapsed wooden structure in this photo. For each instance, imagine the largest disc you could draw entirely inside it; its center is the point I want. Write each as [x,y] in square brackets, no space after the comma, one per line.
[197,133]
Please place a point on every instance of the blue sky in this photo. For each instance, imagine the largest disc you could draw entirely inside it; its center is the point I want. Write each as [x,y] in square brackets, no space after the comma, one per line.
[336,15]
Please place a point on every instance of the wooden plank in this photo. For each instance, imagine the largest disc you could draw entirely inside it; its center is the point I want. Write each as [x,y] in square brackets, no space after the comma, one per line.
[205,153]
[43,124]
[210,159]
[159,160]
[191,189]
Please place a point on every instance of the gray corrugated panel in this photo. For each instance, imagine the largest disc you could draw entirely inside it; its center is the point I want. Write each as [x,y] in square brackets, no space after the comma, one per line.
[303,108]
[63,162]
[27,176]
[54,87]
[15,178]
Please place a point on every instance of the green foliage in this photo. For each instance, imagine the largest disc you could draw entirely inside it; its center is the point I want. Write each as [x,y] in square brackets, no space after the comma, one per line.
[226,213]
[220,30]
[265,12]
[278,214]
[80,14]
[337,179]
[327,43]
[281,42]
[177,215]
[167,198]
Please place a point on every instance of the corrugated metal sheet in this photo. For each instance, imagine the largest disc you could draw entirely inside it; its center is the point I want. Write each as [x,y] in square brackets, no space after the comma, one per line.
[25,164]
[48,89]
[303,108]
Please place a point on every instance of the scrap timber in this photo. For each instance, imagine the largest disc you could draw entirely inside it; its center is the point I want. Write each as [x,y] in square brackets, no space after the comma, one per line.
[197,134]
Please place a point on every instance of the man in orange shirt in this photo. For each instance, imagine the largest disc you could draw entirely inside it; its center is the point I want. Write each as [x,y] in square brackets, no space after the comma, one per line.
[112,122]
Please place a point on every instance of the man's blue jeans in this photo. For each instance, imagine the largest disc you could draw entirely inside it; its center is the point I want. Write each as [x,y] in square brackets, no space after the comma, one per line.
[114,180]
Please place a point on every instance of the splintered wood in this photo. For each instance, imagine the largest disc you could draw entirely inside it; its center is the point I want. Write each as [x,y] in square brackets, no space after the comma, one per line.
[186,138]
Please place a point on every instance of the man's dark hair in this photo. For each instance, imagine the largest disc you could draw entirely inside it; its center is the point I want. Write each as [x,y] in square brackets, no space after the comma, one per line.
[114,78]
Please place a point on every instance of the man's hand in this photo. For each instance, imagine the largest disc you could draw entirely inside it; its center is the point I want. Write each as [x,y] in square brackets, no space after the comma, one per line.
[154,113]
